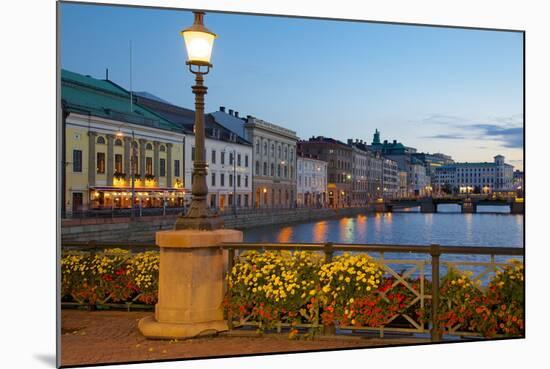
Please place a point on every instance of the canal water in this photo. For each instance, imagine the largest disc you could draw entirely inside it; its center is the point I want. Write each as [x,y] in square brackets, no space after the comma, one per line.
[491,226]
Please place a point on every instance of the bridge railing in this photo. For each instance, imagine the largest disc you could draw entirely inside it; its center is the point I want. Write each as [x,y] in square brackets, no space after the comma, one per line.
[400,262]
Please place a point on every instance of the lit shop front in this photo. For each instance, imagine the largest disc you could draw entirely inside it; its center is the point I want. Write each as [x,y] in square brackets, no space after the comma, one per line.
[145,197]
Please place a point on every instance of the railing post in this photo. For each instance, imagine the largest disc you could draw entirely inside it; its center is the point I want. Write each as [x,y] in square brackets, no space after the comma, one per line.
[435,252]
[230,264]
[329,252]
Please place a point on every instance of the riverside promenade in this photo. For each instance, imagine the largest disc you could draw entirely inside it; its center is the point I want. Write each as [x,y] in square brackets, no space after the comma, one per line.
[115,339]
[142,229]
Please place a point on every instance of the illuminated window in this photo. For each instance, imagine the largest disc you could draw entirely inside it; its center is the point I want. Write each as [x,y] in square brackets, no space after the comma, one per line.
[118,163]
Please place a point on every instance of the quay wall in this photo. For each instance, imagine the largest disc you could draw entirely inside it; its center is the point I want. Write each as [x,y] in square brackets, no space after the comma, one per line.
[142,229]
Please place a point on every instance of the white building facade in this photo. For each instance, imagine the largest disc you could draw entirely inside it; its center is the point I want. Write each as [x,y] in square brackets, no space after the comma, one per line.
[483,177]
[311,182]
[229,175]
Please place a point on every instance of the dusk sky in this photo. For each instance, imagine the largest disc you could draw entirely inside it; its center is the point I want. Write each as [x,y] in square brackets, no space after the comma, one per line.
[447,90]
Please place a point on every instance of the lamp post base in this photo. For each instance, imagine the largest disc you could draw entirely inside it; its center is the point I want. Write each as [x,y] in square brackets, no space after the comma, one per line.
[152,329]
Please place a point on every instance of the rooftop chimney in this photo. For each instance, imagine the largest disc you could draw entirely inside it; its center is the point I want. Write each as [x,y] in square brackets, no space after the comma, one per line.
[394,142]
[350,141]
[222,109]
[385,141]
[236,114]
[230,111]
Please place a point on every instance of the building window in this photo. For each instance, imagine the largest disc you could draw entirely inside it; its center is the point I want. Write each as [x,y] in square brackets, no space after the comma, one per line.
[230,180]
[77,161]
[279,151]
[177,168]
[246,200]
[257,168]
[213,179]
[222,179]
[222,158]
[246,161]
[272,149]
[272,169]
[149,166]
[231,158]
[238,180]
[246,181]
[118,163]
[162,148]
[213,156]
[100,140]
[278,170]
[162,168]
[286,171]
[100,162]
[265,168]
[192,153]
[239,159]
[257,147]
[265,148]
[118,142]
[149,147]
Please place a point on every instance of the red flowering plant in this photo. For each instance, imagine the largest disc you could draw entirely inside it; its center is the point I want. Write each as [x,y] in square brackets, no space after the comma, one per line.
[494,310]
[274,287]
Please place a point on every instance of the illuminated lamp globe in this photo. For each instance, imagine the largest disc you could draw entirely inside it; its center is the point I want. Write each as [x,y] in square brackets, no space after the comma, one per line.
[199,42]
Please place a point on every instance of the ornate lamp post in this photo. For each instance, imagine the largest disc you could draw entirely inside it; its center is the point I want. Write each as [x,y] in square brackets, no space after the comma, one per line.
[199,42]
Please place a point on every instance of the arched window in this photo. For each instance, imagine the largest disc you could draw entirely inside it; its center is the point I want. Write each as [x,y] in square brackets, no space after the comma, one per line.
[162,148]
[272,149]
[272,169]
[149,147]
[265,168]
[279,151]
[118,142]
[101,140]
[257,167]
[265,148]
[278,170]
[257,147]
[285,153]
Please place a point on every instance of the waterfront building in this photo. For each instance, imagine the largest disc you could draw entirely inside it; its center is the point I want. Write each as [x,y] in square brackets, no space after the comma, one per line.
[228,155]
[359,178]
[338,155]
[433,161]
[273,157]
[418,181]
[482,177]
[389,148]
[105,138]
[311,181]
[518,182]
[402,192]
[390,178]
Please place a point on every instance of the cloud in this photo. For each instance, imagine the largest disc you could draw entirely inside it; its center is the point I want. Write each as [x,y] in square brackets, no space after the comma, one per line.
[507,130]
[447,136]
[510,137]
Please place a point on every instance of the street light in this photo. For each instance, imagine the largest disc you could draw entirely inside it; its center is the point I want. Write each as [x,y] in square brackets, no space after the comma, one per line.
[199,42]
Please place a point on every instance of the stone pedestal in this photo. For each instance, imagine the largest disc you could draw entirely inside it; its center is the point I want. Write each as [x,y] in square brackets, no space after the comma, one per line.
[191,284]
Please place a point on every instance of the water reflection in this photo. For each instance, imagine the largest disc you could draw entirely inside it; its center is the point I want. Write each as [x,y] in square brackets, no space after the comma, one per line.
[487,229]
[285,234]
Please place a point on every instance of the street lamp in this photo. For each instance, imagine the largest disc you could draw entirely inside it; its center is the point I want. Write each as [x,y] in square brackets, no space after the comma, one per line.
[199,42]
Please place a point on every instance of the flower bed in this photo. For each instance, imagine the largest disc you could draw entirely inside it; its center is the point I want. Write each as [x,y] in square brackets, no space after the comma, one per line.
[114,275]
[297,289]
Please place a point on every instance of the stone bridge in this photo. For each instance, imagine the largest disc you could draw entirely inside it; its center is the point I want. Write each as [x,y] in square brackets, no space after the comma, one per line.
[467,204]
